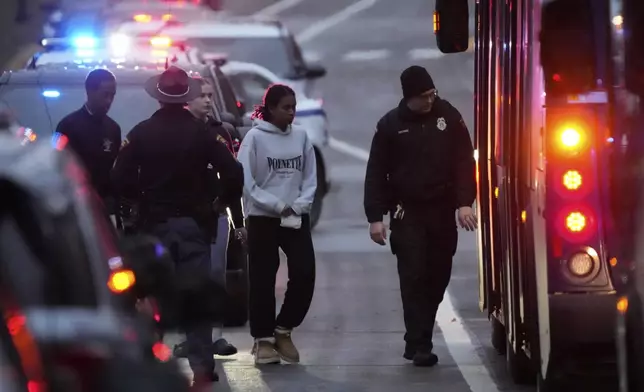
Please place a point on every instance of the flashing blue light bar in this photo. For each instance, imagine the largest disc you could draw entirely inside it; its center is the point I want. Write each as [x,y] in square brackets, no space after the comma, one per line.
[84,42]
[51,94]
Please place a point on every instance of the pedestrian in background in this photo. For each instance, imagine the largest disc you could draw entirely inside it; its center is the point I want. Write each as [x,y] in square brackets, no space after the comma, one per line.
[421,170]
[279,186]
[201,108]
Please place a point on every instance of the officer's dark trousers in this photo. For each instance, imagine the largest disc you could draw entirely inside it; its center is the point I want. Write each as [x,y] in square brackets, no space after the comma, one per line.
[265,238]
[189,246]
[424,244]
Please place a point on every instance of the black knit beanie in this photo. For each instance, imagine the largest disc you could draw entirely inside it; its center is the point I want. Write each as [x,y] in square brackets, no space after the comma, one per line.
[415,80]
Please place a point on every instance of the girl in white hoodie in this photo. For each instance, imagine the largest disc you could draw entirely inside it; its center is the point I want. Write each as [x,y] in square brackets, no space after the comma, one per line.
[279,187]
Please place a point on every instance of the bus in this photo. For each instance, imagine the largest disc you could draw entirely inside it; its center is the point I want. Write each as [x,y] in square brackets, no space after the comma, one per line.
[557,86]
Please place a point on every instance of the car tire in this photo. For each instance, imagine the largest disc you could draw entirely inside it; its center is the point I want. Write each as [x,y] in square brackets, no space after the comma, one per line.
[237,285]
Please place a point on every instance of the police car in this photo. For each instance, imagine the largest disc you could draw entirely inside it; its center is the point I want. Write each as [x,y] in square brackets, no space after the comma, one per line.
[39,98]
[253,40]
[120,50]
[251,81]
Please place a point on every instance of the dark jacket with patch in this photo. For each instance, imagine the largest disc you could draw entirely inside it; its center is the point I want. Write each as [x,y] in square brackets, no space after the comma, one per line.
[95,140]
[420,160]
[164,161]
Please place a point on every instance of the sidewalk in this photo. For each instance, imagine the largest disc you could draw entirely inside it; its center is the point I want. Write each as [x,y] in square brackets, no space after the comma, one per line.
[19,41]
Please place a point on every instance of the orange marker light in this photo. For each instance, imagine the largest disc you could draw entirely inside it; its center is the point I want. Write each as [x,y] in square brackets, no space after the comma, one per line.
[121,281]
[142,18]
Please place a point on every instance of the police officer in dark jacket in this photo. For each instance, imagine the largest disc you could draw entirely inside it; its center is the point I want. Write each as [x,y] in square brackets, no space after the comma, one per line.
[421,169]
[163,164]
[92,134]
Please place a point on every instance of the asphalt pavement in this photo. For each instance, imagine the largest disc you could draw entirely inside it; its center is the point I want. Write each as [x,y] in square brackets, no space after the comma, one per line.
[352,340]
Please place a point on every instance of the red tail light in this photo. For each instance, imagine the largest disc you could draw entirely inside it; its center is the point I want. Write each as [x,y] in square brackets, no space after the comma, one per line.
[36,386]
[576,224]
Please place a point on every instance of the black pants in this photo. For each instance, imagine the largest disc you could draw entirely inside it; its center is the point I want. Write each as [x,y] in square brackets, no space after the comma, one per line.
[189,246]
[265,237]
[424,246]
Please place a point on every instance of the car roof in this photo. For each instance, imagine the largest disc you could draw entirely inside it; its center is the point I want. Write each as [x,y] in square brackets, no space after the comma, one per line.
[152,6]
[59,75]
[229,27]
[239,66]
[137,56]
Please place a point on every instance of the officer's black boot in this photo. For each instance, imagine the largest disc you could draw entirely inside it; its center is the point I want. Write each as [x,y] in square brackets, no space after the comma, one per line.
[425,357]
[410,351]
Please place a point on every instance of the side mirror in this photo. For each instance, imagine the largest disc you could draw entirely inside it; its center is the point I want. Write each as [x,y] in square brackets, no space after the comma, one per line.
[228,117]
[314,71]
[451,25]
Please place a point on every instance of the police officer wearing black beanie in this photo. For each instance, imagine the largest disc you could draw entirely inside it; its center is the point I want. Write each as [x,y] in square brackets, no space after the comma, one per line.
[421,170]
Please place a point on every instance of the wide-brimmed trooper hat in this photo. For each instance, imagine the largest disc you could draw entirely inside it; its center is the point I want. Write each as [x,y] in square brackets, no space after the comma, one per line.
[173,86]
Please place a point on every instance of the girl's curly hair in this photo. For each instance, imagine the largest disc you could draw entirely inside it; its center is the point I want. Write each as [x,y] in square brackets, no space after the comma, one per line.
[272,97]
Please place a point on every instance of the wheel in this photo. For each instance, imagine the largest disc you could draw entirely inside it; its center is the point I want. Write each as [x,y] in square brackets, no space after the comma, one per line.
[237,286]
[316,208]
[519,366]
[499,341]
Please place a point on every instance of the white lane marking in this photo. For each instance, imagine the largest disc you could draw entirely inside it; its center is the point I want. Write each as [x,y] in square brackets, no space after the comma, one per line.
[366,55]
[461,348]
[425,54]
[458,341]
[325,24]
[348,149]
[278,7]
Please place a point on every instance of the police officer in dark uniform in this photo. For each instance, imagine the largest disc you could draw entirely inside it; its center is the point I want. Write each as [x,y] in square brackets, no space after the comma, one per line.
[421,169]
[163,165]
[92,134]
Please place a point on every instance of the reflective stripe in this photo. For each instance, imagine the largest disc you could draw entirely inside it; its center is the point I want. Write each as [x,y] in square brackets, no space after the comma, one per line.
[310,112]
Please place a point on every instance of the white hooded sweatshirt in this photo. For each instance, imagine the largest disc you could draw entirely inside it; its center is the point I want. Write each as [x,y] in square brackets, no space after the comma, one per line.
[279,170]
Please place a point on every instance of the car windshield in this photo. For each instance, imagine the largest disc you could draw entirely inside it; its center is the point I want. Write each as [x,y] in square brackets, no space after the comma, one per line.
[272,53]
[41,110]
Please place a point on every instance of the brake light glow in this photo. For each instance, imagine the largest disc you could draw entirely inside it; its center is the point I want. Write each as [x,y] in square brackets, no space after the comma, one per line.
[121,281]
[572,180]
[166,17]
[160,41]
[576,222]
[570,138]
[142,18]
[161,352]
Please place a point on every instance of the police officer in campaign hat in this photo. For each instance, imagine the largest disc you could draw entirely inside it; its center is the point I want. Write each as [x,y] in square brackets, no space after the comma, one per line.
[421,170]
[163,166]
